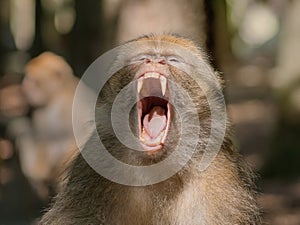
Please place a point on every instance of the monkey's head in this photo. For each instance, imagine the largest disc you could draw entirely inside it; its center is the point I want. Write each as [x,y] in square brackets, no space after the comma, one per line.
[160,68]
[45,76]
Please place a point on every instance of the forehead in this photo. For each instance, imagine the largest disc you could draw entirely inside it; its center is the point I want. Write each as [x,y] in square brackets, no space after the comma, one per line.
[39,71]
[171,40]
[165,45]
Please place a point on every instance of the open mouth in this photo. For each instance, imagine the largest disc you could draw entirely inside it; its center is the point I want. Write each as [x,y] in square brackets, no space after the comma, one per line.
[154,113]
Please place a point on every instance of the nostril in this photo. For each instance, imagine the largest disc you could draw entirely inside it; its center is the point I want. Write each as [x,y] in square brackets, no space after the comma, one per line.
[148,60]
[162,61]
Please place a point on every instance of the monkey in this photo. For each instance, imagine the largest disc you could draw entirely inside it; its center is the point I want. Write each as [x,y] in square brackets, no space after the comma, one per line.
[47,141]
[222,193]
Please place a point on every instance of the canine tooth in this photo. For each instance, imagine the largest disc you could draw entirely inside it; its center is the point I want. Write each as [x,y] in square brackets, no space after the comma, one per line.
[151,75]
[140,85]
[163,84]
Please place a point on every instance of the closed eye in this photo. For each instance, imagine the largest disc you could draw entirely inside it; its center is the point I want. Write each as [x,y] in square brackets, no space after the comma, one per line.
[174,59]
[141,58]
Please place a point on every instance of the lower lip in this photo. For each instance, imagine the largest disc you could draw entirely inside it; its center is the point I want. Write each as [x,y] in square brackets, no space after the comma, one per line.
[151,150]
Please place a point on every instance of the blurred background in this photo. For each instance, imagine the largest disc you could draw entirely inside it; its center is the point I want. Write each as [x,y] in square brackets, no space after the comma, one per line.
[255,43]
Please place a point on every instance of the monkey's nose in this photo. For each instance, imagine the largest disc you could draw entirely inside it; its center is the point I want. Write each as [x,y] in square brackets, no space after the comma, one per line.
[160,61]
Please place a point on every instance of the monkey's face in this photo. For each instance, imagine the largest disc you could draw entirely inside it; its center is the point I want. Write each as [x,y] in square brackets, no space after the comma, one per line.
[162,115]
[45,76]
[161,74]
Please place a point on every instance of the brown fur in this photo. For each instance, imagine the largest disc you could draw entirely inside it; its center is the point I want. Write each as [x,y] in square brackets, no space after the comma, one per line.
[222,194]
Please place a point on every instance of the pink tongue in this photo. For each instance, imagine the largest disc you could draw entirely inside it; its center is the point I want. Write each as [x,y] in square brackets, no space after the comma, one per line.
[155,121]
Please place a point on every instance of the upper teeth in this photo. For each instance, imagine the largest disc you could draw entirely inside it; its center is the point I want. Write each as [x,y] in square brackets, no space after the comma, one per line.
[163,81]
[140,84]
[151,75]
[163,84]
